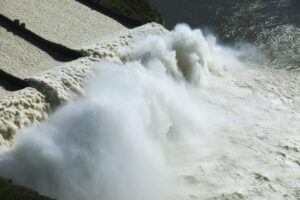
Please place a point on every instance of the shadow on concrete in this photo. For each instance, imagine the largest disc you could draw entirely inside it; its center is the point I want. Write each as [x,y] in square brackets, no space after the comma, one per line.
[11,83]
[126,21]
[56,51]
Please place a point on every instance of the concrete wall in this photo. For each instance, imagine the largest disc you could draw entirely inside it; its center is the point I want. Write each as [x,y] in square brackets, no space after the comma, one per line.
[47,49]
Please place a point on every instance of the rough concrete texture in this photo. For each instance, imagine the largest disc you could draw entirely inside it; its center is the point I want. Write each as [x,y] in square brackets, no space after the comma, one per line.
[119,44]
[60,84]
[21,58]
[65,82]
[67,22]
[53,87]
[20,109]
[4,92]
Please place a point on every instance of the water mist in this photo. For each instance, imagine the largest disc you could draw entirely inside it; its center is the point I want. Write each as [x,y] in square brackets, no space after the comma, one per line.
[122,140]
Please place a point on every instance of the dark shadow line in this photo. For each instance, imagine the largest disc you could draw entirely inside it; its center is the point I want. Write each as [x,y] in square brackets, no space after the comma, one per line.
[56,51]
[126,21]
[10,82]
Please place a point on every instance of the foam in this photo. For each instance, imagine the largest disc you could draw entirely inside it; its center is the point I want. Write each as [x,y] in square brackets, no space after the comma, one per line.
[183,118]
[20,109]
[65,82]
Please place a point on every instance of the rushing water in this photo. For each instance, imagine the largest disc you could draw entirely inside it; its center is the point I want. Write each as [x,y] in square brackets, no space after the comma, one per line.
[273,25]
[183,118]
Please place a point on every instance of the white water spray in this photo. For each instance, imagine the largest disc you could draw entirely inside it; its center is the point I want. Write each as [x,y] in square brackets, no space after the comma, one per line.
[122,140]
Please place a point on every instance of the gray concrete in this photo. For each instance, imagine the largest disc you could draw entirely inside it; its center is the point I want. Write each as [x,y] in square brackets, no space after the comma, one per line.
[66,82]
[3,92]
[21,58]
[61,21]
[66,22]
[56,85]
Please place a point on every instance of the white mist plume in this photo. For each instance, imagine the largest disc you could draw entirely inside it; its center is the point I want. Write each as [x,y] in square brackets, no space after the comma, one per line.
[115,143]
[187,53]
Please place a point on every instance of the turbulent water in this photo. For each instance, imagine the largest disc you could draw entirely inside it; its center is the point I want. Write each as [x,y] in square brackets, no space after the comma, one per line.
[272,25]
[183,118]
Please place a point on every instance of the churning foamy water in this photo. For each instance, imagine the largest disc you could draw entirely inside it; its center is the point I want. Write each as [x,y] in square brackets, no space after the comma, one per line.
[155,128]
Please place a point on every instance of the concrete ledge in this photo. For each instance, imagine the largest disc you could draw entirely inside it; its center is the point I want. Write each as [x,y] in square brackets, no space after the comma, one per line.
[58,85]
[119,44]
[66,82]
[66,22]
[63,83]
[21,58]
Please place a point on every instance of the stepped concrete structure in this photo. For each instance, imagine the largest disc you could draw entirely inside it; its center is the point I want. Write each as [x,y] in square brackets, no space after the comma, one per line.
[40,34]
[22,58]
[65,22]
[47,48]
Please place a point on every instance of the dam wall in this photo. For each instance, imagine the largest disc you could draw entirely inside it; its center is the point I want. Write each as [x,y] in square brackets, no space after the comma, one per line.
[48,49]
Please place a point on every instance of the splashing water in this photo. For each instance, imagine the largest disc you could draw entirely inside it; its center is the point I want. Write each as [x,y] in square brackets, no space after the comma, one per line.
[138,124]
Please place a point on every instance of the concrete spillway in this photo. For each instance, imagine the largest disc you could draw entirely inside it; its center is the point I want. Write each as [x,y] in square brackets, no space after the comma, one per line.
[47,49]
[38,38]
[176,115]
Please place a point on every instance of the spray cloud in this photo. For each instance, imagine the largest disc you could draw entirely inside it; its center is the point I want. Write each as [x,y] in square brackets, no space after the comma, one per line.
[118,141]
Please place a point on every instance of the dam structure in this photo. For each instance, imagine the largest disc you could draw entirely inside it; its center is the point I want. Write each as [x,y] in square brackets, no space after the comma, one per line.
[98,100]
[47,49]
[40,36]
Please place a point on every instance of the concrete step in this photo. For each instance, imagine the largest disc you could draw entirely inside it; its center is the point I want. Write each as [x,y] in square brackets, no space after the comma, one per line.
[36,36]
[22,58]
[52,87]
[65,83]
[66,22]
